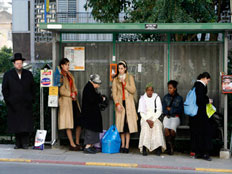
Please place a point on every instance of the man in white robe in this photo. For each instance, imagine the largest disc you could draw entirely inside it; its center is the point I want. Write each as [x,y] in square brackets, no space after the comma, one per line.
[151,135]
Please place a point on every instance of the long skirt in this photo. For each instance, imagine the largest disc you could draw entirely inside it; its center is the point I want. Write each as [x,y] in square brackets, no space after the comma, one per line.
[151,138]
[91,137]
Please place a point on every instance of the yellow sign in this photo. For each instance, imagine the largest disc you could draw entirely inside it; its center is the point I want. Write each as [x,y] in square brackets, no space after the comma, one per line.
[53,90]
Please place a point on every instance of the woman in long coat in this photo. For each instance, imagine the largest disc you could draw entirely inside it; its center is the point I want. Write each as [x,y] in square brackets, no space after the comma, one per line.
[69,109]
[201,137]
[91,113]
[124,90]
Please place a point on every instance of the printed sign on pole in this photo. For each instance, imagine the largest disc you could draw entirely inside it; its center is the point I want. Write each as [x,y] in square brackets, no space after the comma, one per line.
[46,78]
[53,96]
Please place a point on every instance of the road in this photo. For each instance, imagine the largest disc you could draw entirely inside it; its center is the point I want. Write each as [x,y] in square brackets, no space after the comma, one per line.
[32,168]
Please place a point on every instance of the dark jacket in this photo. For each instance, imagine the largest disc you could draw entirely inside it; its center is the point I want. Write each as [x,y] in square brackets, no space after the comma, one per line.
[176,105]
[18,95]
[201,130]
[91,114]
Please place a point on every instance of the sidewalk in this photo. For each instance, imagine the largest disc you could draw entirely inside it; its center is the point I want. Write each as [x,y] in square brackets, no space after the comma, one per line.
[61,155]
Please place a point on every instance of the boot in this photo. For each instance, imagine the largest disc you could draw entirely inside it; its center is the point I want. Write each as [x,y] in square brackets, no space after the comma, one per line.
[168,143]
[158,151]
[144,151]
[172,140]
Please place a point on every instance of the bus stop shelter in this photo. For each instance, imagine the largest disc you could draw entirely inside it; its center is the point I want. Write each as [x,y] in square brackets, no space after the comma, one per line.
[170,65]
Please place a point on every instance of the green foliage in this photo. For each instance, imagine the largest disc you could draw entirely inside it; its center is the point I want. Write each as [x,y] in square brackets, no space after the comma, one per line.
[166,11]
[107,10]
[159,11]
[5,56]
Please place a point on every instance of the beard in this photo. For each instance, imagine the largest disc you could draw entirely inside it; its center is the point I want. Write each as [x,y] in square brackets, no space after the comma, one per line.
[19,71]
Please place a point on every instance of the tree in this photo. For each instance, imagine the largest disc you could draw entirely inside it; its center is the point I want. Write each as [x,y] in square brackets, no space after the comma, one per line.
[160,11]
[107,10]
[5,62]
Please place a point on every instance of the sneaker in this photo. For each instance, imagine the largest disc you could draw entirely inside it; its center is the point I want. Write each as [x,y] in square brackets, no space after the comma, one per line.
[89,150]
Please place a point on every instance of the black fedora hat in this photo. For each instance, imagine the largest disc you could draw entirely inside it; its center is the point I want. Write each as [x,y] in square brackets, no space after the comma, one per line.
[17,56]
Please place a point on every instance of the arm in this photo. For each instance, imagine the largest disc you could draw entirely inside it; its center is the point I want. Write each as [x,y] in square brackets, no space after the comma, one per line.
[64,91]
[177,106]
[114,91]
[202,98]
[165,111]
[130,86]
[158,109]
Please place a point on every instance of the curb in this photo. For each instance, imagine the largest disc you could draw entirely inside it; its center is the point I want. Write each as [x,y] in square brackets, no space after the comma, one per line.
[126,165]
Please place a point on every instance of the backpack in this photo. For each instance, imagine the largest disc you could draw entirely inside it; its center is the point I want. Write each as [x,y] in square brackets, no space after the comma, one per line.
[190,104]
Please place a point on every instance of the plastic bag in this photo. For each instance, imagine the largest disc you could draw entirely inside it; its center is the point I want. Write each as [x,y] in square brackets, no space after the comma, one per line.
[99,145]
[111,141]
[40,139]
[210,110]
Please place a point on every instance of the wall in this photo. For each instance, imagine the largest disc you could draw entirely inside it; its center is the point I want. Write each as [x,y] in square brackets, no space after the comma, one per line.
[187,60]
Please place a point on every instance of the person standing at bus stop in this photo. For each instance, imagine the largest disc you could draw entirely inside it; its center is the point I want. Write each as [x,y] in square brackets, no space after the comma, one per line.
[124,89]
[69,109]
[18,93]
[200,127]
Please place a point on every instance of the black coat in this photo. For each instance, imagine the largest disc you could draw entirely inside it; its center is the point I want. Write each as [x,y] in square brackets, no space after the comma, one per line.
[18,95]
[200,124]
[90,112]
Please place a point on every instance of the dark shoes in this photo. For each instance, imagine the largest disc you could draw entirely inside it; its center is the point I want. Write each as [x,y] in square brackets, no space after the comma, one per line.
[204,157]
[158,151]
[90,150]
[17,147]
[25,146]
[144,151]
[124,150]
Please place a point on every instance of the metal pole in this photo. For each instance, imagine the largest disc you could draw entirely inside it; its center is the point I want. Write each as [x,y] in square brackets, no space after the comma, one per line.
[54,110]
[41,109]
[231,11]
[225,95]
[32,32]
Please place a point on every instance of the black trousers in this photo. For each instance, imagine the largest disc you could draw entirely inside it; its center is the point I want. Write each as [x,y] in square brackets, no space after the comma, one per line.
[22,139]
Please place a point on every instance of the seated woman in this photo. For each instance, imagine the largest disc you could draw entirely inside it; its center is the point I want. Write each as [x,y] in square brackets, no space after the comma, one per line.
[173,109]
[151,135]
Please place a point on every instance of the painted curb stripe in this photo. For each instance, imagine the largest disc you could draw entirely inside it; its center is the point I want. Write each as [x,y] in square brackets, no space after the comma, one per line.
[132,165]
[111,164]
[58,162]
[165,167]
[214,170]
[14,160]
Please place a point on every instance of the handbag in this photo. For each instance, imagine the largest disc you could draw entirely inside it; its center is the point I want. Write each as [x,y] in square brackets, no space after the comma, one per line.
[161,117]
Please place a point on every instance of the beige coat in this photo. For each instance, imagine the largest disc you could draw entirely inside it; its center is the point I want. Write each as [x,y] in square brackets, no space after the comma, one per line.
[130,91]
[65,116]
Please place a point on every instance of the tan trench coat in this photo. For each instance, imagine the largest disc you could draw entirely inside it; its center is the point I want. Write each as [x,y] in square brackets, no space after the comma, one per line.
[65,116]
[130,91]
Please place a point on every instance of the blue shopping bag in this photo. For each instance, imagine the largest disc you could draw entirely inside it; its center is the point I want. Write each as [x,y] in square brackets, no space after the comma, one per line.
[111,141]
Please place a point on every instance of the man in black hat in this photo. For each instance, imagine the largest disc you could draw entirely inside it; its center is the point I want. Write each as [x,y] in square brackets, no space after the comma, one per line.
[17,89]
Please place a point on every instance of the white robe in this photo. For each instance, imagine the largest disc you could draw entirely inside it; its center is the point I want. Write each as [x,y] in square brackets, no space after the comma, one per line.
[151,138]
